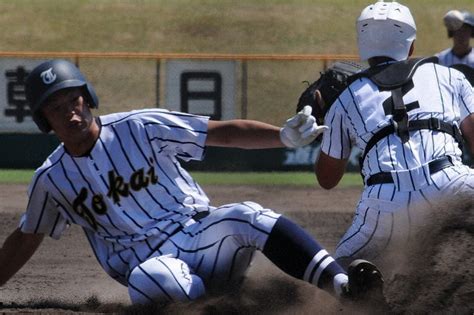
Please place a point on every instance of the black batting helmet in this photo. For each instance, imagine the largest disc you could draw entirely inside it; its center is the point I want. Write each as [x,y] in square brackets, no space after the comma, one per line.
[50,77]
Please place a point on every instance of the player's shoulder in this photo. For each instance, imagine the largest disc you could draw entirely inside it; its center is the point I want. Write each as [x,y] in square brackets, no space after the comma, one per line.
[138,115]
[53,160]
[433,66]
[444,52]
[359,84]
[156,117]
[438,71]
[147,115]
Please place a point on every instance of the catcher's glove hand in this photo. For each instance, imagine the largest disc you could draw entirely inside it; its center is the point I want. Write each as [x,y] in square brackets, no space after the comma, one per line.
[323,92]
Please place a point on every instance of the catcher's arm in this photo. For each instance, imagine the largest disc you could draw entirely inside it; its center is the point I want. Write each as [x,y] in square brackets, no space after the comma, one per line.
[467,129]
[329,170]
[16,251]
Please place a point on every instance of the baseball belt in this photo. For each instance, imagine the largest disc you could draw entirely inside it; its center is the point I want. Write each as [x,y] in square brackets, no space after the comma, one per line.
[434,166]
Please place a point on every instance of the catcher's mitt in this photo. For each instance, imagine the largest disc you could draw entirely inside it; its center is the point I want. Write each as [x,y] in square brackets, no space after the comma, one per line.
[330,84]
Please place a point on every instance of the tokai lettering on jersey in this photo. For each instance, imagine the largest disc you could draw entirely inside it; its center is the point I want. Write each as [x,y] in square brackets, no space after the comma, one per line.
[98,206]
[138,180]
[118,188]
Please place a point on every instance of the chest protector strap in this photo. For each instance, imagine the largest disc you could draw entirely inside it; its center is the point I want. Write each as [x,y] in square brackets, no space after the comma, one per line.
[430,124]
[397,78]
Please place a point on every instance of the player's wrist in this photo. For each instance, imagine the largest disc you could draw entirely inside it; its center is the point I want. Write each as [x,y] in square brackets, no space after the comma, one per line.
[285,138]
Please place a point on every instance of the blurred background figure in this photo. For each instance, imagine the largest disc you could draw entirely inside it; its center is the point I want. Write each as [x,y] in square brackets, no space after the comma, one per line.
[460,26]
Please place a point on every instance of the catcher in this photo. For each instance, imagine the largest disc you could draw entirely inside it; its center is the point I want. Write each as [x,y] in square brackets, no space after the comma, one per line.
[409,117]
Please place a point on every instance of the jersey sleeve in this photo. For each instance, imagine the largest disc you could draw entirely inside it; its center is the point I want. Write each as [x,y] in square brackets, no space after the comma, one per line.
[179,134]
[466,98]
[42,215]
[336,141]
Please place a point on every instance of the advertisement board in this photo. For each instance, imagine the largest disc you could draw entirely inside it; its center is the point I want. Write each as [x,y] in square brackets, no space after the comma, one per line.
[15,115]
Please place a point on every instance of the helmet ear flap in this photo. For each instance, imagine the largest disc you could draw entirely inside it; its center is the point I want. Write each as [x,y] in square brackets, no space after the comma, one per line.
[41,122]
[92,96]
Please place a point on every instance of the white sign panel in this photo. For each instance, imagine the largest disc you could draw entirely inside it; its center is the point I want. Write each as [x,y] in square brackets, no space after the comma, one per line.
[15,115]
[201,87]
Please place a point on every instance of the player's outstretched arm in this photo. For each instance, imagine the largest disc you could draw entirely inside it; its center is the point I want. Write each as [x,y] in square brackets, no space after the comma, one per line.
[16,251]
[297,131]
[244,134]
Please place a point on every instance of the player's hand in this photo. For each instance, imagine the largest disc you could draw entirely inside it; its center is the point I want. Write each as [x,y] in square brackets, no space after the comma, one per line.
[301,129]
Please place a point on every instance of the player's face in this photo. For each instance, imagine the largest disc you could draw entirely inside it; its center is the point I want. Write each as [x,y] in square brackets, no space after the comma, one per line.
[463,34]
[68,113]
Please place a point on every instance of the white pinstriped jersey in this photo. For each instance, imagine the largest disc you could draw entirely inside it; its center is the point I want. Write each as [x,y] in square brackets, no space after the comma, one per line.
[447,58]
[388,215]
[129,187]
[438,92]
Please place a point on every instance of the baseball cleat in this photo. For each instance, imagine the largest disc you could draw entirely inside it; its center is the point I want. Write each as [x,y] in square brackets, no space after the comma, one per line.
[365,282]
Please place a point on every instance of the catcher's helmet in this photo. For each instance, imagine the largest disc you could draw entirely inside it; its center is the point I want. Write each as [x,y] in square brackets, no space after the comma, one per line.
[385,30]
[50,77]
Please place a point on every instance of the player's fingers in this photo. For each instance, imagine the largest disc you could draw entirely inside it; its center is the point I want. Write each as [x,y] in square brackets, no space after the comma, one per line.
[307,124]
[314,131]
[322,128]
[300,118]
[294,121]
[307,110]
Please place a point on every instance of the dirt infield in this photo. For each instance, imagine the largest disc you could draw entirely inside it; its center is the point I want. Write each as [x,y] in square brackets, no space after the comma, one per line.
[63,276]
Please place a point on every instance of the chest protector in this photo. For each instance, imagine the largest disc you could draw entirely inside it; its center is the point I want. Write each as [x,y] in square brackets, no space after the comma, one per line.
[397,78]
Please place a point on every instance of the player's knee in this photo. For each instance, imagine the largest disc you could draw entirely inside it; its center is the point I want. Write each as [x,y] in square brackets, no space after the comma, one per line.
[247,211]
[163,279]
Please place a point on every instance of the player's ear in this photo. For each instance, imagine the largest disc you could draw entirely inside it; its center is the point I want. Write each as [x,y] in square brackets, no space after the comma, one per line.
[412,49]
[319,99]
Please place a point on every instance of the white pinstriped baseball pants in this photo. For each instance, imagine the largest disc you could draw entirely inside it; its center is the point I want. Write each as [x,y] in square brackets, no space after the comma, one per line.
[387,219]
[214,251]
